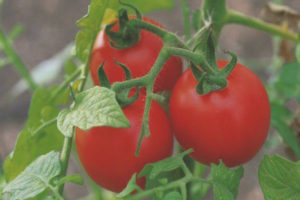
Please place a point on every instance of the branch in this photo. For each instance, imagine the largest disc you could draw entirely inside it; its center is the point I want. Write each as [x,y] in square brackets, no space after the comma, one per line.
[241,19]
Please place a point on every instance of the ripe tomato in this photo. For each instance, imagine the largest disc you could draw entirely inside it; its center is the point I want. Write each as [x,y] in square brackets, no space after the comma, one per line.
[138,58]
[108,154]
[230,124]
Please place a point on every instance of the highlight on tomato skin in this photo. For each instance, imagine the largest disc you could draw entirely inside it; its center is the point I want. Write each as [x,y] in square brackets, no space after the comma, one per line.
[108,154]
[231,124]
[138,58]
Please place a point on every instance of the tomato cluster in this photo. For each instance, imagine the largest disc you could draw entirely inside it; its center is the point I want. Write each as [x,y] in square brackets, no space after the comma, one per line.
[229,124]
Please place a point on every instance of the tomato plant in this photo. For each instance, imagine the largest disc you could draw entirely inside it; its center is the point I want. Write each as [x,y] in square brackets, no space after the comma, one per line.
[229,124]
[108,154]
[219,111]
[138,58]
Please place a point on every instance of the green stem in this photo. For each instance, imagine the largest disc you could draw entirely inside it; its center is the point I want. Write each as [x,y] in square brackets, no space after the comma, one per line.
[67,146]
[118,86]
[64,158]
[55,193]
[149,80]
[145,122]
[66,83]
[16,61]
[183,192]
[196,37]
[149,27]
[214,11]
[85,69]
[166,36]
[194,57]
[239,18]
[186,14]
[172,185]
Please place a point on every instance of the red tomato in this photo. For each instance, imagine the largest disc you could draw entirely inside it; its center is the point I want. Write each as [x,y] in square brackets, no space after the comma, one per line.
[138,58]
[108,154]
[230,124]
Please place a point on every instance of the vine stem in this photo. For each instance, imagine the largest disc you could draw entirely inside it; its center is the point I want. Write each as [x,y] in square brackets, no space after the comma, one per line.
[166,36]
[67,145]
[66,83]
[65,156]
[16,61]
[169,186]
[55,193]
[241,19]
[186,14]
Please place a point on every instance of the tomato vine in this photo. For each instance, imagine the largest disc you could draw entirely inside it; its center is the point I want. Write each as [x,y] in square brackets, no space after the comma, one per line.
[104,105]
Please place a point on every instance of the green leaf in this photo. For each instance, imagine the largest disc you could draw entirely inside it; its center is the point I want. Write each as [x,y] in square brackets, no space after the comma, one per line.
[93,19]
[28,146]
[279,178]
[2,182]
[69,68]
[225,181]
[35,178]
[94,107]
[83,42]
[152,170]
[280,119]
[131,187]
[91,24]
[74,178]
[173,196]
[289,81]
[167,170]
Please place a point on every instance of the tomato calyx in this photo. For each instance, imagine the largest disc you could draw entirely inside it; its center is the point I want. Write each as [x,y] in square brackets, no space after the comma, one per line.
[210,77]
[128,35]
[124,96]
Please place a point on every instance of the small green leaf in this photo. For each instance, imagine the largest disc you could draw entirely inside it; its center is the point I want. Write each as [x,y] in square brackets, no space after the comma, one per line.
[225,181]
[94,107]
[167,170]
[173,196]
[35,178]
[280,119]
[74,178]
[289,81]
[91,24]
[29,146]
[131,187]
[152,170]
[103,79]
[279,178]
[83,43]
[70,68]
[93,19]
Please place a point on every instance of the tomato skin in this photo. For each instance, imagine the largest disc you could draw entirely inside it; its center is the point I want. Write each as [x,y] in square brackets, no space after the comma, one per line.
[230,124]
[138,58]
[108,154]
